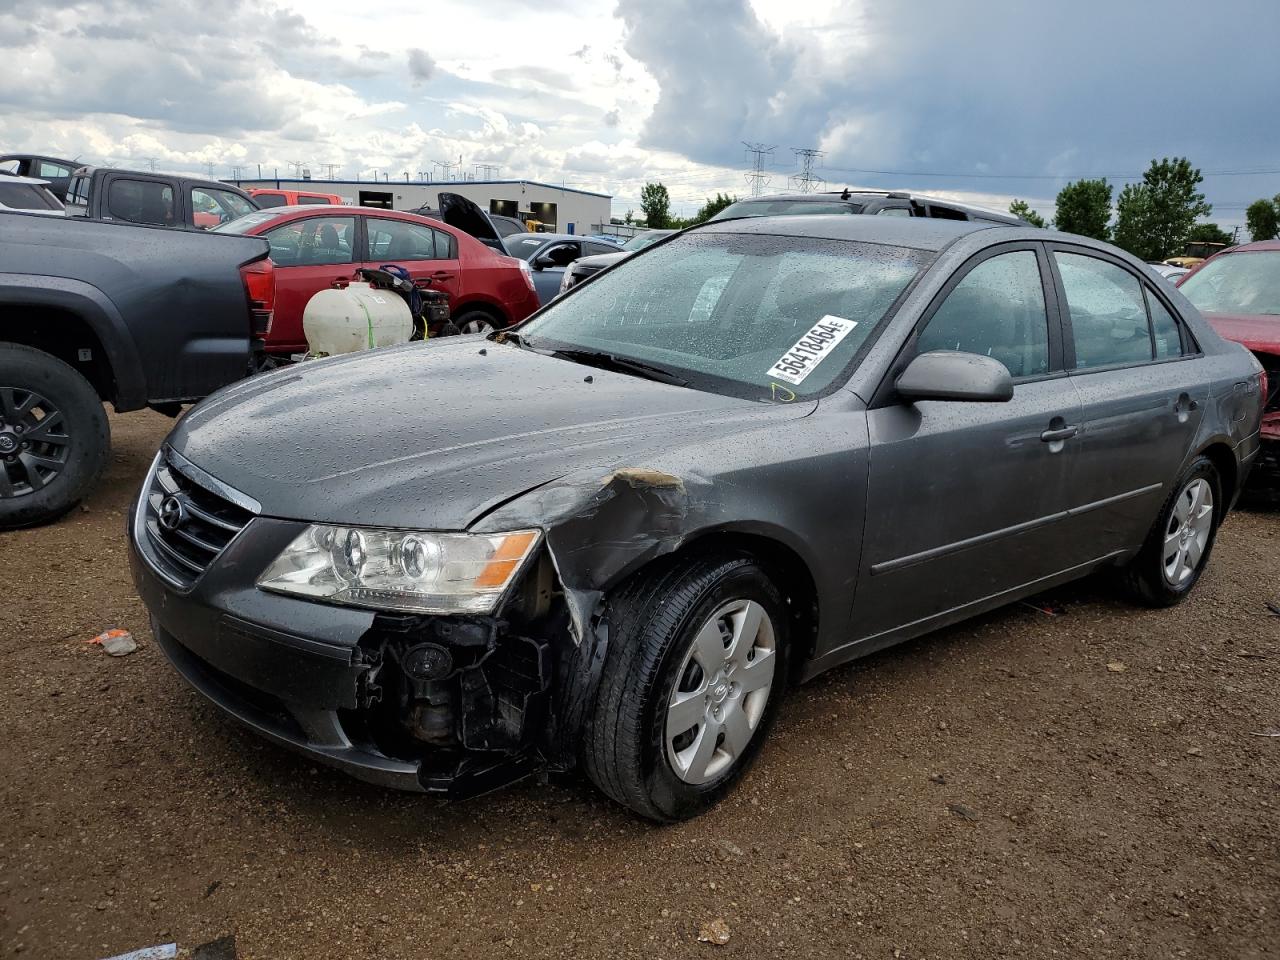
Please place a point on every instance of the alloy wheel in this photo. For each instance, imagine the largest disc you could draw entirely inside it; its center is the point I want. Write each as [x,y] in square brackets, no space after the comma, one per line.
[721,690]
[1187,533]
[477,326]
[34,443]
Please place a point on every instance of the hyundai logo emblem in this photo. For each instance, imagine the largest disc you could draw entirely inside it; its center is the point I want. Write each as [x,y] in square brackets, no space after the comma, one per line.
[172,513]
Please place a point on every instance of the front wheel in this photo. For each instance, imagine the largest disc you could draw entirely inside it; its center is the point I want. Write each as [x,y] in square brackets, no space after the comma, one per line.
[695,670]
[54,437]
[1178,546]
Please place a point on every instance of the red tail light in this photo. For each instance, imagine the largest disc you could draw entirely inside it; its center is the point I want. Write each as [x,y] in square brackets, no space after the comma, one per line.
[259,280]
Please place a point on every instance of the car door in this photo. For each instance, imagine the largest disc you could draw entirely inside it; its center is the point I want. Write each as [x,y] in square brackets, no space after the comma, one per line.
[964,499]
[309,254]
[430,255]
[549,265]
[1142,396]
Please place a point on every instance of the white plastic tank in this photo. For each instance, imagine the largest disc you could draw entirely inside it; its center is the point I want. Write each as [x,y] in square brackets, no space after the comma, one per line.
[354,318]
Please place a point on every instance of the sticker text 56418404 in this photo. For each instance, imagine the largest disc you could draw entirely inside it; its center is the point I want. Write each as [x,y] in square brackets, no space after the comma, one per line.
[811,349]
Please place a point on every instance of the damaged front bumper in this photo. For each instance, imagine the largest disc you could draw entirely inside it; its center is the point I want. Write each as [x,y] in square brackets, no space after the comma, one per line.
[452,706]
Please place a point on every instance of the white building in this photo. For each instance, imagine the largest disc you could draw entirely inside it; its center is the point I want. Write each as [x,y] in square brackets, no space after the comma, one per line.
[561,209]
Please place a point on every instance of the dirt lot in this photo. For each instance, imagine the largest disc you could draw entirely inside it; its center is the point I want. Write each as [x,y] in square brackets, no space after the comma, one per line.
[1091,784]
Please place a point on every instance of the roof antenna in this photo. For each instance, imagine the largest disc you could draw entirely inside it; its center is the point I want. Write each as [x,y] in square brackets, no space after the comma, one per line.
[845,194]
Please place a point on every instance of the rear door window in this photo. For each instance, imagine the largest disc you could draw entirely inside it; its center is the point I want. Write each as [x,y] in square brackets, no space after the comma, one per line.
[401,240]
[141,201]
[1107,310]
[303,199]
[53,170]
[313,241]
[211,207]
[268,200]
[26,196]
[1164,328]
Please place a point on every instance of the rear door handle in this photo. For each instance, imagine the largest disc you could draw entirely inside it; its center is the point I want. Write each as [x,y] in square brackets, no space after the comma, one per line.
[442,275]
[1062,433]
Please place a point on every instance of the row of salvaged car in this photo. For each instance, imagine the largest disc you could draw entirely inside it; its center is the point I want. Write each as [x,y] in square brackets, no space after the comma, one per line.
[612,537]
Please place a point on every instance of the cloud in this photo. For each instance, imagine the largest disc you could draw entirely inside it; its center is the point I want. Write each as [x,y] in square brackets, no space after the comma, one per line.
[421,67]
[612,118]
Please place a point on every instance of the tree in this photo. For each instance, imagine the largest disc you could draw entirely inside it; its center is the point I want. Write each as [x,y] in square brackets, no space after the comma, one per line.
[630,218]
[1022,210]
[1209,233]
[655,203]
[1084,207]
[1263,219]
[712,207]
[1162,209]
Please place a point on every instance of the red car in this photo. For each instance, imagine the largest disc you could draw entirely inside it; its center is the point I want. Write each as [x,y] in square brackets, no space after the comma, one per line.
[313,246]
[1238,291]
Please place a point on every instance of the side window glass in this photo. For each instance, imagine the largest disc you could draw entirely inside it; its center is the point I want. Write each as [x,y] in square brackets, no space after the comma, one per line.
[50,170]
[998,311]
[1167,336]
[210,207]
[444,246]
[267,200]
[1108,314]
[894,212]
[141,201]
[398,240]
[312,242]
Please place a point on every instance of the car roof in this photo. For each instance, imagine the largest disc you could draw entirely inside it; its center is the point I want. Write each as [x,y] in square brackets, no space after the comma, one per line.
[1256,246]
[40,156]
[919,233]
[851,195]
[548,236]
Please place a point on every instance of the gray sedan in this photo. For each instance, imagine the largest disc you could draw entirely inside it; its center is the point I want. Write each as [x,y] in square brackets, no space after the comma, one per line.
[751,453]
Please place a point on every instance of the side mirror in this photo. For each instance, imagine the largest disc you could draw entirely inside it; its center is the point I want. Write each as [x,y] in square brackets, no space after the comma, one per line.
[543,261]
[952,375]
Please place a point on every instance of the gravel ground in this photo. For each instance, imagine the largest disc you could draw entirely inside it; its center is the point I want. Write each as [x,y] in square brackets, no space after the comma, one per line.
[1091,784]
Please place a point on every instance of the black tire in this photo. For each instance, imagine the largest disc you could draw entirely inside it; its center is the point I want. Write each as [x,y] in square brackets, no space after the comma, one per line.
[1144,577]
[653,620]
[485,321]
[83,437]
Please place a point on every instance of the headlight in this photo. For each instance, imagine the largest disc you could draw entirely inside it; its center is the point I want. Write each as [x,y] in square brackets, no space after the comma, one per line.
[400,569]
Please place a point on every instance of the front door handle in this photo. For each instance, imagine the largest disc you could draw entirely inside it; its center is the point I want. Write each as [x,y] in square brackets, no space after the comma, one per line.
[442,275]
[1059,434]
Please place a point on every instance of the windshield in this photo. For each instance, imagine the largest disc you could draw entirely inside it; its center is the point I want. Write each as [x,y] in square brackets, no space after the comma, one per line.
[1242,282]
[246,223]
[782,208]
[525,246]
[646,239]
[757,316]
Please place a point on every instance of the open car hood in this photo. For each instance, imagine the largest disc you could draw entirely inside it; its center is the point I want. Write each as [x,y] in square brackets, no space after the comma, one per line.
[1258,332]
[457,211]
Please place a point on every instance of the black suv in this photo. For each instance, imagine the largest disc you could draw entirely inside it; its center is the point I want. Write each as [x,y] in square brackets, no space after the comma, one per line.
[862,201]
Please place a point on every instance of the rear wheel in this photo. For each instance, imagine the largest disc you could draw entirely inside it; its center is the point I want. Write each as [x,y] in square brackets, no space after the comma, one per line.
[1178,546]
[476,321]
[54,437]
[695,670]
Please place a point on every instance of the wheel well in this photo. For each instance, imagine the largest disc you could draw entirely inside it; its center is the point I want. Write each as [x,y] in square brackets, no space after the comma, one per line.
[64,335]
[498,315]
[785,568]
[1225,463]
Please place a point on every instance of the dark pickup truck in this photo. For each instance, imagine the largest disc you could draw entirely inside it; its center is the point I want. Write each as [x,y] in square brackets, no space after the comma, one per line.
[156,199]
[135,316]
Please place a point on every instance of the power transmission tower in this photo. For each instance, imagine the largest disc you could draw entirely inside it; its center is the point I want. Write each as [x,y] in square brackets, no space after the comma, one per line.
[151,162]
[757,177]
[235,173]
[209,166]
[488,170]
[806,181]
[297,167]
[329,169]
[445,166]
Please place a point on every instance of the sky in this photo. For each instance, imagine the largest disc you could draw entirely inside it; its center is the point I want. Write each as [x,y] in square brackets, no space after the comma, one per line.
[981,100]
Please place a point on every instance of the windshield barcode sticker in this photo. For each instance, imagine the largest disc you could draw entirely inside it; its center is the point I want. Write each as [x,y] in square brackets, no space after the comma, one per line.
[811,349]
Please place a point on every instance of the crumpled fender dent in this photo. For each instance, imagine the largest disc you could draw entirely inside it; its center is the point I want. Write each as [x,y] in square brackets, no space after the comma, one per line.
[647,513]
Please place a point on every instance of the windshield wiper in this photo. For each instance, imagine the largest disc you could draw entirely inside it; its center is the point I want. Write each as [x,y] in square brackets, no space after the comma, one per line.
[609,361]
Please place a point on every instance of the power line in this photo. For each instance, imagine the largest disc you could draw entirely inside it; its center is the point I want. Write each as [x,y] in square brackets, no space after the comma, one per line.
[1042,176]
[757,177]
[806,181]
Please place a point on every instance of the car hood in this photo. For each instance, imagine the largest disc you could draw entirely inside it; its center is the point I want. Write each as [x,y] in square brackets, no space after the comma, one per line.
[1258,332]
[436,435]
[602,260]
